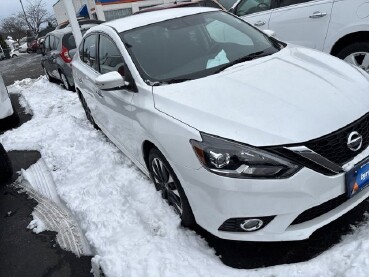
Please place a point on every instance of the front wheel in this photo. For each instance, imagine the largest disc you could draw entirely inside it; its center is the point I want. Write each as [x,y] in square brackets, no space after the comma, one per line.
[168,184]
[356,54]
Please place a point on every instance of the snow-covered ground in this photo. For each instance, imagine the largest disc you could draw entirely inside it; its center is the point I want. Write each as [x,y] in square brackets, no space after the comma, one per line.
[132,230]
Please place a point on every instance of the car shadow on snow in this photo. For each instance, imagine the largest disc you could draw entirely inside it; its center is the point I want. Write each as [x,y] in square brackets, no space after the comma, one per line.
[248,255]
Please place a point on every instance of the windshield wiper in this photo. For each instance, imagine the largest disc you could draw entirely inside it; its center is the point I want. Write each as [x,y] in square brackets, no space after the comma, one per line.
[176,80]
[166,82]
[249,57]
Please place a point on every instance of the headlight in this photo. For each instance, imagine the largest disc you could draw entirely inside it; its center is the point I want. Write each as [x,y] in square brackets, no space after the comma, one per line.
[231,159]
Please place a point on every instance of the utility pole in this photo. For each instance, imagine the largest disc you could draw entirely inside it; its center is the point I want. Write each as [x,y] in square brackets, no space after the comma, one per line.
[25,16]
[71,12]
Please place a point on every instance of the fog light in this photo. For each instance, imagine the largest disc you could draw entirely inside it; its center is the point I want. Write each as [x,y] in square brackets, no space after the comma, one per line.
[250,225]
[245,224]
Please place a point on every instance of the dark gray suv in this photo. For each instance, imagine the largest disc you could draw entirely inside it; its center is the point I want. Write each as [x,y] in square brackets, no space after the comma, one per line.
[58,50]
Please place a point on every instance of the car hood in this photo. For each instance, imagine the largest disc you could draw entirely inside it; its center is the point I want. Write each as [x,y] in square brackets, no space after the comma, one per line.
[293,96]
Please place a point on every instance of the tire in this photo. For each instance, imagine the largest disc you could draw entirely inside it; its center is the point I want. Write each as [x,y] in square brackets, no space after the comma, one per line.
[355,53]
[6,169]
[14,56]
[166,181]
[49,78]
[65,81]
[87,110]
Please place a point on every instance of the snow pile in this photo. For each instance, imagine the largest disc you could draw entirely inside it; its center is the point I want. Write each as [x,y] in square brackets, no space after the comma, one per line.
[124,219]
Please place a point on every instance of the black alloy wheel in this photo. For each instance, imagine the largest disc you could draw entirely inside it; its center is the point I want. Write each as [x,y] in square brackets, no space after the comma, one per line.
[168,184]
[355,54]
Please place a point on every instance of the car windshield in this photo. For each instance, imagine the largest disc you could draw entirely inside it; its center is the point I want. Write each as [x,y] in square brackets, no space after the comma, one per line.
[227,3]
[194,46]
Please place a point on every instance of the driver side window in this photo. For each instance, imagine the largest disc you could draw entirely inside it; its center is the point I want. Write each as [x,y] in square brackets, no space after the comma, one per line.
[252,6]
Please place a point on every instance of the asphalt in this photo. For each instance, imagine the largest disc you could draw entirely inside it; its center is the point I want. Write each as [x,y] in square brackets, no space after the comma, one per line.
[23,253]
[22,67]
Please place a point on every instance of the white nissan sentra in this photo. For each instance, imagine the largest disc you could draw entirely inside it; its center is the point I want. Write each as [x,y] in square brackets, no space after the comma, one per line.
[249,137]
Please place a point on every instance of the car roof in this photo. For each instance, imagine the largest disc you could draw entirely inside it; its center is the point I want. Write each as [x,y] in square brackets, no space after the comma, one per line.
[68,29]
[178,4]
[143,19]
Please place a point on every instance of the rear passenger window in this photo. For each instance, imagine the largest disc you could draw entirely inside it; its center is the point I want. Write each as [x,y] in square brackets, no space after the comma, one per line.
[69,42]
[110,58]
[284,3]
[89,51]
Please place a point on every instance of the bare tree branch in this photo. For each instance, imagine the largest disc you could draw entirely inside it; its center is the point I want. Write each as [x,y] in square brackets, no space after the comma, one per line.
[14,26]
[35,15]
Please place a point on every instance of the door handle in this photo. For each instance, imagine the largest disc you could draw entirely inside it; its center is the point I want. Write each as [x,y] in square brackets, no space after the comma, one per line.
[80,80]
[259,23]
[318,15]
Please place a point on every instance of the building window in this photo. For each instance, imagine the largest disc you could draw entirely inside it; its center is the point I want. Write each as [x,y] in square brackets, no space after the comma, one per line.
[114,14]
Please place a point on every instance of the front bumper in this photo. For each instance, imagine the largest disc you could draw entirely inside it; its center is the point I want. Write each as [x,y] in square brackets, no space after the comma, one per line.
[215,199]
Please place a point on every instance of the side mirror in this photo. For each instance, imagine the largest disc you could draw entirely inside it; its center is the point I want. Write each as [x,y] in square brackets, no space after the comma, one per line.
[110,81]
[269,33]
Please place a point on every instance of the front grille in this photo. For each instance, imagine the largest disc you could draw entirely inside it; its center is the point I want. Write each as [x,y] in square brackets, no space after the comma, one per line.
[317,211]
[298,159]
[334,146]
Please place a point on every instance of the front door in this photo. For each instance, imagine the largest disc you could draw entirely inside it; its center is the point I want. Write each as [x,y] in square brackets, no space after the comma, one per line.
[114,106]
[302,22]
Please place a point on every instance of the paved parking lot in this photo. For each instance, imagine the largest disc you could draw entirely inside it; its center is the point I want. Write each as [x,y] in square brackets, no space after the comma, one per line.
[19,68]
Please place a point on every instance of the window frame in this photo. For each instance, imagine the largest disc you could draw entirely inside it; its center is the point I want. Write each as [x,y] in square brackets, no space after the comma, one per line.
[296,4]
[51,45]
[47,48]
[273,5]
[98,50]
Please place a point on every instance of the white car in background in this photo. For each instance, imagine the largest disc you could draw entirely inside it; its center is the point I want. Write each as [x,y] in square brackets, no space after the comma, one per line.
[23,45]
[8,116]
[251,138]
[337,27]
[14,53]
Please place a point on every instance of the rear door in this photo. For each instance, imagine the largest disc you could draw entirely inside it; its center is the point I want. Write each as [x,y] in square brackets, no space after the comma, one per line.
[85,72]
[255,12]
[302,22]
[46,55]
[54,52]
